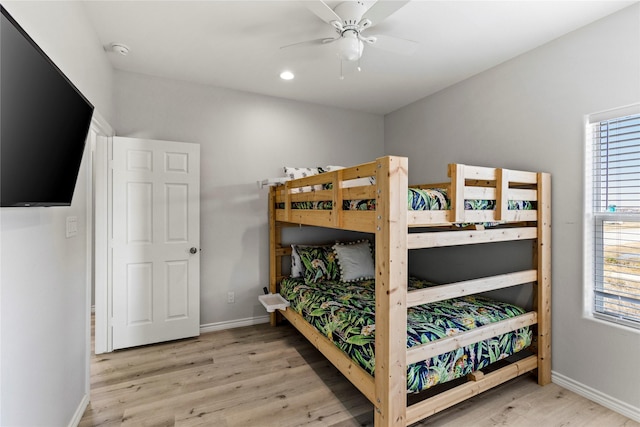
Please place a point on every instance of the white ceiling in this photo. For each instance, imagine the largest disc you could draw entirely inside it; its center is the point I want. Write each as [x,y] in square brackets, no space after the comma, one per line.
[236,44]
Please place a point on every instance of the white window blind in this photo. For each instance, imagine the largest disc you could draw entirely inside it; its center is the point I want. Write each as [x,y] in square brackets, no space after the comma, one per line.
[615,152]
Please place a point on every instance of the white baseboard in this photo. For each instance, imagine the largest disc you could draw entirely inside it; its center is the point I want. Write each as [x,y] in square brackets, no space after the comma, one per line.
[77,416]
[230,324]
[596,396]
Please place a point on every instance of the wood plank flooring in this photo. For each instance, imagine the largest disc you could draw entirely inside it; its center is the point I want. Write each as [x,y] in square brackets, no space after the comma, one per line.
[263,376]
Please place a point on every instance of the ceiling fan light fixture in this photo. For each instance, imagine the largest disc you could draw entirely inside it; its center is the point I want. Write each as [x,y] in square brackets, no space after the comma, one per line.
[349,46]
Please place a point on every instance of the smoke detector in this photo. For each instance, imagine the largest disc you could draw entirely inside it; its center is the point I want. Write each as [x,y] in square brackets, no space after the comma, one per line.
[120,48]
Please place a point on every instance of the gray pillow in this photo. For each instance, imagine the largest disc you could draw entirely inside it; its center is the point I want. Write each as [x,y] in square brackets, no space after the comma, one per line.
[355,260]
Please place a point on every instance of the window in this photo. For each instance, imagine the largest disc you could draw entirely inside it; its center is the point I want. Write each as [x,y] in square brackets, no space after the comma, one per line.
[613,151]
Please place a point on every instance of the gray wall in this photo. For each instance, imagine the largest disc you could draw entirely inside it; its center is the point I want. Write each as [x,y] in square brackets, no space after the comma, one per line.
[528,114]
[44,318]
[244,138]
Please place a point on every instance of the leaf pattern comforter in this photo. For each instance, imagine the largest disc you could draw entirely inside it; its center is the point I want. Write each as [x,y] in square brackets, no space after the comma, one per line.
[417,200]
[345,313]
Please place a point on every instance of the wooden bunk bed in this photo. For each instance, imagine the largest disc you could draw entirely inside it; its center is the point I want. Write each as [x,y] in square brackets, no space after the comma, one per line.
[398,230]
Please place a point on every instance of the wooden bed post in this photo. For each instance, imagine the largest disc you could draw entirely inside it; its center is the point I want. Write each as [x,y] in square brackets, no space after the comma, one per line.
[391,292]
[275,265]
[543,289]
[456,192]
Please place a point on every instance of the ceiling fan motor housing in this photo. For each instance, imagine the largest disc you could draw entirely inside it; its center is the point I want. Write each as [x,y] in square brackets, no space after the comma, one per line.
[351,13]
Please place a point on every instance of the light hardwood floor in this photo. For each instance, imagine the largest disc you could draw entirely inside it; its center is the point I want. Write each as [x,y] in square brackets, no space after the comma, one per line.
[264,376]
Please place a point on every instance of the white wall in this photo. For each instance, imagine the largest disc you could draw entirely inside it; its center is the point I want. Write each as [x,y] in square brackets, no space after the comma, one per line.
[244,138]
[528,114]
[43,275]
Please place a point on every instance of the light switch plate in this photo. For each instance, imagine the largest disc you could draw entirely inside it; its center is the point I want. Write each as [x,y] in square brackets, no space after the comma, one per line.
[72,226]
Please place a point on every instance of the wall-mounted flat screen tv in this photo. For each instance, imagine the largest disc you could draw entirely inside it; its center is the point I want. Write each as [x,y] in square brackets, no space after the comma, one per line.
[44,121]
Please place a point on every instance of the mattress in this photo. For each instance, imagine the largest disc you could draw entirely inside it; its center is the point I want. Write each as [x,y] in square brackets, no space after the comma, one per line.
[417,200]
[345,314]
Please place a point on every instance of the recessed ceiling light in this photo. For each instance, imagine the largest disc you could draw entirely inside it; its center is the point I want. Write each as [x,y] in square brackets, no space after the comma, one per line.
[286,75]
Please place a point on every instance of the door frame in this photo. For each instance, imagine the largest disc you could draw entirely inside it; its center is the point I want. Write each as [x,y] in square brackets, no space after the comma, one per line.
[101,147]
[103,239]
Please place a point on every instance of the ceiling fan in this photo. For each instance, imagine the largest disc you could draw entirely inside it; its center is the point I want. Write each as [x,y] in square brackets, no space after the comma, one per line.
[350,19]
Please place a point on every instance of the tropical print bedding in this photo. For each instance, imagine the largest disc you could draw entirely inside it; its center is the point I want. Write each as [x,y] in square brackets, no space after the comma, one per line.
[417,200]
[345,313]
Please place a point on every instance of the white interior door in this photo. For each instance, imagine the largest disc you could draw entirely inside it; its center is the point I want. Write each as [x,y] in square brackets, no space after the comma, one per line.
[156,241]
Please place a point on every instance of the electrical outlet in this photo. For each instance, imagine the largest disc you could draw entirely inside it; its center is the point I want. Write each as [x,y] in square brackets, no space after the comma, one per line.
[231,297]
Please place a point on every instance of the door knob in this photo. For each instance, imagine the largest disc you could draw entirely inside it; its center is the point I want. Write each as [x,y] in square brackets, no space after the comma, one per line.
[193,250]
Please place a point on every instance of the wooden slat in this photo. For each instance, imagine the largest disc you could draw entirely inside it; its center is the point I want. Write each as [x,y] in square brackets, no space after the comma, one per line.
[521,215]
[391,292]
[479,173]
[354,373]
[418,219]
[351,193]
[445,185]
[542,297]
[474,216]
[523,194]
[365,192]
[522,177]
[426,218]
[469,237]
[311,196]
[306,217]
[364,221]
[490,193]
[364,170]
[469,287]
[489,174]
[312,180]
[480,193]
[434,348]
[448,398]
[352,220]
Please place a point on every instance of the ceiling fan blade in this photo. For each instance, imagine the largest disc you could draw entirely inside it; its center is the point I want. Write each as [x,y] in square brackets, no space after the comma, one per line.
[381,10]
[323,11]
[394,44]
[315,42]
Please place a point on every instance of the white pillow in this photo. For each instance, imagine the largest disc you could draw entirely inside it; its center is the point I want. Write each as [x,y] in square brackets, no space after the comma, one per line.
[296,263]
[358,182]
[355,260]
[295,173]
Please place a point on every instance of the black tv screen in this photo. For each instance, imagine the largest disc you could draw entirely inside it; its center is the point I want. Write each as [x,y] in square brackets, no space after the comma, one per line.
[44,121]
